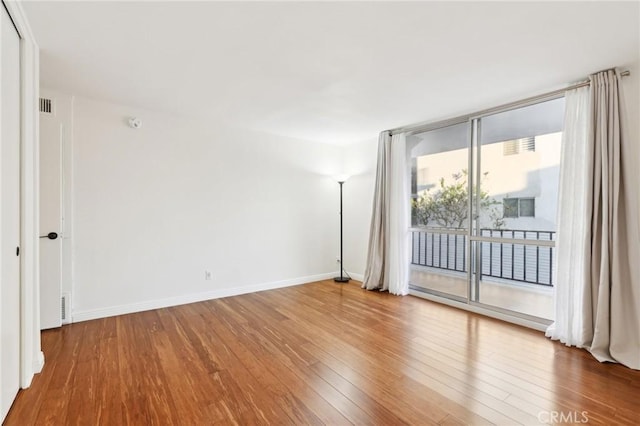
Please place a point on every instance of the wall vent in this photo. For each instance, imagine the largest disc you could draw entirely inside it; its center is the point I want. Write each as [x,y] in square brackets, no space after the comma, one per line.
[46,106]
[65,307]
[517,146]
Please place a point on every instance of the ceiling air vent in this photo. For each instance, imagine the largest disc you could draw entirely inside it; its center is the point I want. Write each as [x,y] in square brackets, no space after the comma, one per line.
[46,106]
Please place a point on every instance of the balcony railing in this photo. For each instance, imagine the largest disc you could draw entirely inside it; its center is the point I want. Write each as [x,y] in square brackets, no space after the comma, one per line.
[446,249]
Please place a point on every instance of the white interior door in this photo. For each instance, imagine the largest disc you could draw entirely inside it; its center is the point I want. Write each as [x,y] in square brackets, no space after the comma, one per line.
[9,212]
[51,134]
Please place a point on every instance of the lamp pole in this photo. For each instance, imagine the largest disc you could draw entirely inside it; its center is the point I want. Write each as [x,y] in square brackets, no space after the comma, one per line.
[341,278]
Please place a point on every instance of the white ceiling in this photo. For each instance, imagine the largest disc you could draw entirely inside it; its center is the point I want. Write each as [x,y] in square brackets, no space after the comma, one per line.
[334,72]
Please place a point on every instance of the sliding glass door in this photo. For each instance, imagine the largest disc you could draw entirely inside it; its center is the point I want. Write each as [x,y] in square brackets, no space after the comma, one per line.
[440,210]
[495,247]
[518,166]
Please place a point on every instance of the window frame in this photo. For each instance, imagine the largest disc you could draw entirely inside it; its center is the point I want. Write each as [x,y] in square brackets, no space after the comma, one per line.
[517,207]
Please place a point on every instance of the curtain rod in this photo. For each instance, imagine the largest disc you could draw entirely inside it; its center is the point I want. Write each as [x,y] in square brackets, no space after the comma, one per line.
[531,100]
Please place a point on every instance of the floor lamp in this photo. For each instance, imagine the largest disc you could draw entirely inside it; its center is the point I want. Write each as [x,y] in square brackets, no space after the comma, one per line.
[341,279]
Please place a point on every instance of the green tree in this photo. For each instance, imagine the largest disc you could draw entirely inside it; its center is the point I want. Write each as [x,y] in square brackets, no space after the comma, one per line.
[447,205]
[422,209]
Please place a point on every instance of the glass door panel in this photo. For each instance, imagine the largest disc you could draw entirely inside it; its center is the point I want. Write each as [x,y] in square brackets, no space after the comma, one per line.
[515,204]
[440,211]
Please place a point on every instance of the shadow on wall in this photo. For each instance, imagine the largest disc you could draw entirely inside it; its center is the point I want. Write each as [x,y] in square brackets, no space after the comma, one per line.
[360,161]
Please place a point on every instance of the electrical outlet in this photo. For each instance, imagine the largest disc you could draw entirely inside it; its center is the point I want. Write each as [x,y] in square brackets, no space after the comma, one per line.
[207,275]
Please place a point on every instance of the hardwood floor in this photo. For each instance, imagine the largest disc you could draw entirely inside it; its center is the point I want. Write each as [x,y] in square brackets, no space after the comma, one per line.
[320,353]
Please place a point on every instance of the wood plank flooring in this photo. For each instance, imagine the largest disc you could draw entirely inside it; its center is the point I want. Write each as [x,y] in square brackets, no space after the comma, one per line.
[321,353]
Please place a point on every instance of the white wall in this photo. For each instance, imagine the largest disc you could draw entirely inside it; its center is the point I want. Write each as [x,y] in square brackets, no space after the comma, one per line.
[157,206]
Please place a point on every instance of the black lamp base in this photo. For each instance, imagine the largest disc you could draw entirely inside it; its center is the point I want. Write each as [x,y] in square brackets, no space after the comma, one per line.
[341,279]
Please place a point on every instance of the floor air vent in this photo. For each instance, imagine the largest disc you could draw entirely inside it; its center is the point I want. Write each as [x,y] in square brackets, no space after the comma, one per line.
[65,307]
[46,106]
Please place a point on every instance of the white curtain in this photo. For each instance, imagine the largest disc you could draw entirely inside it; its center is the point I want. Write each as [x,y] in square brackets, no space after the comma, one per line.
[388,256]
[573,245]
[598,288]
[398,217]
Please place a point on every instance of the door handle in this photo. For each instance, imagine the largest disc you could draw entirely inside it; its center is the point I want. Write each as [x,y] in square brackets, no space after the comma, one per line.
[50,235]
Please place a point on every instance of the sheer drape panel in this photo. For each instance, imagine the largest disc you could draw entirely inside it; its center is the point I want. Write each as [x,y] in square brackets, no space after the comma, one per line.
[398,226]
[387,259]
[573,324]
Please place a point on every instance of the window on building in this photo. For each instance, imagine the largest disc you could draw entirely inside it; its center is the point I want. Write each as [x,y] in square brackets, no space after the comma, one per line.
[527,207]
[519,207]
[510,207]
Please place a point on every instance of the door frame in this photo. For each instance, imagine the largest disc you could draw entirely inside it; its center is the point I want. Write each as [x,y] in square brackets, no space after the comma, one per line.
[61,118]
[31,356]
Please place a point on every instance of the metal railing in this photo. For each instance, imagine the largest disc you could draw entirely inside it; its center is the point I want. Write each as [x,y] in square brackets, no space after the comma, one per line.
[446,249]
[443,249]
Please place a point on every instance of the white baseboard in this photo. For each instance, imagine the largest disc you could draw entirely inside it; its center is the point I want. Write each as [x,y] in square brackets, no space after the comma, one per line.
[38,364]
[36,367]
[192,298]
[357,277]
